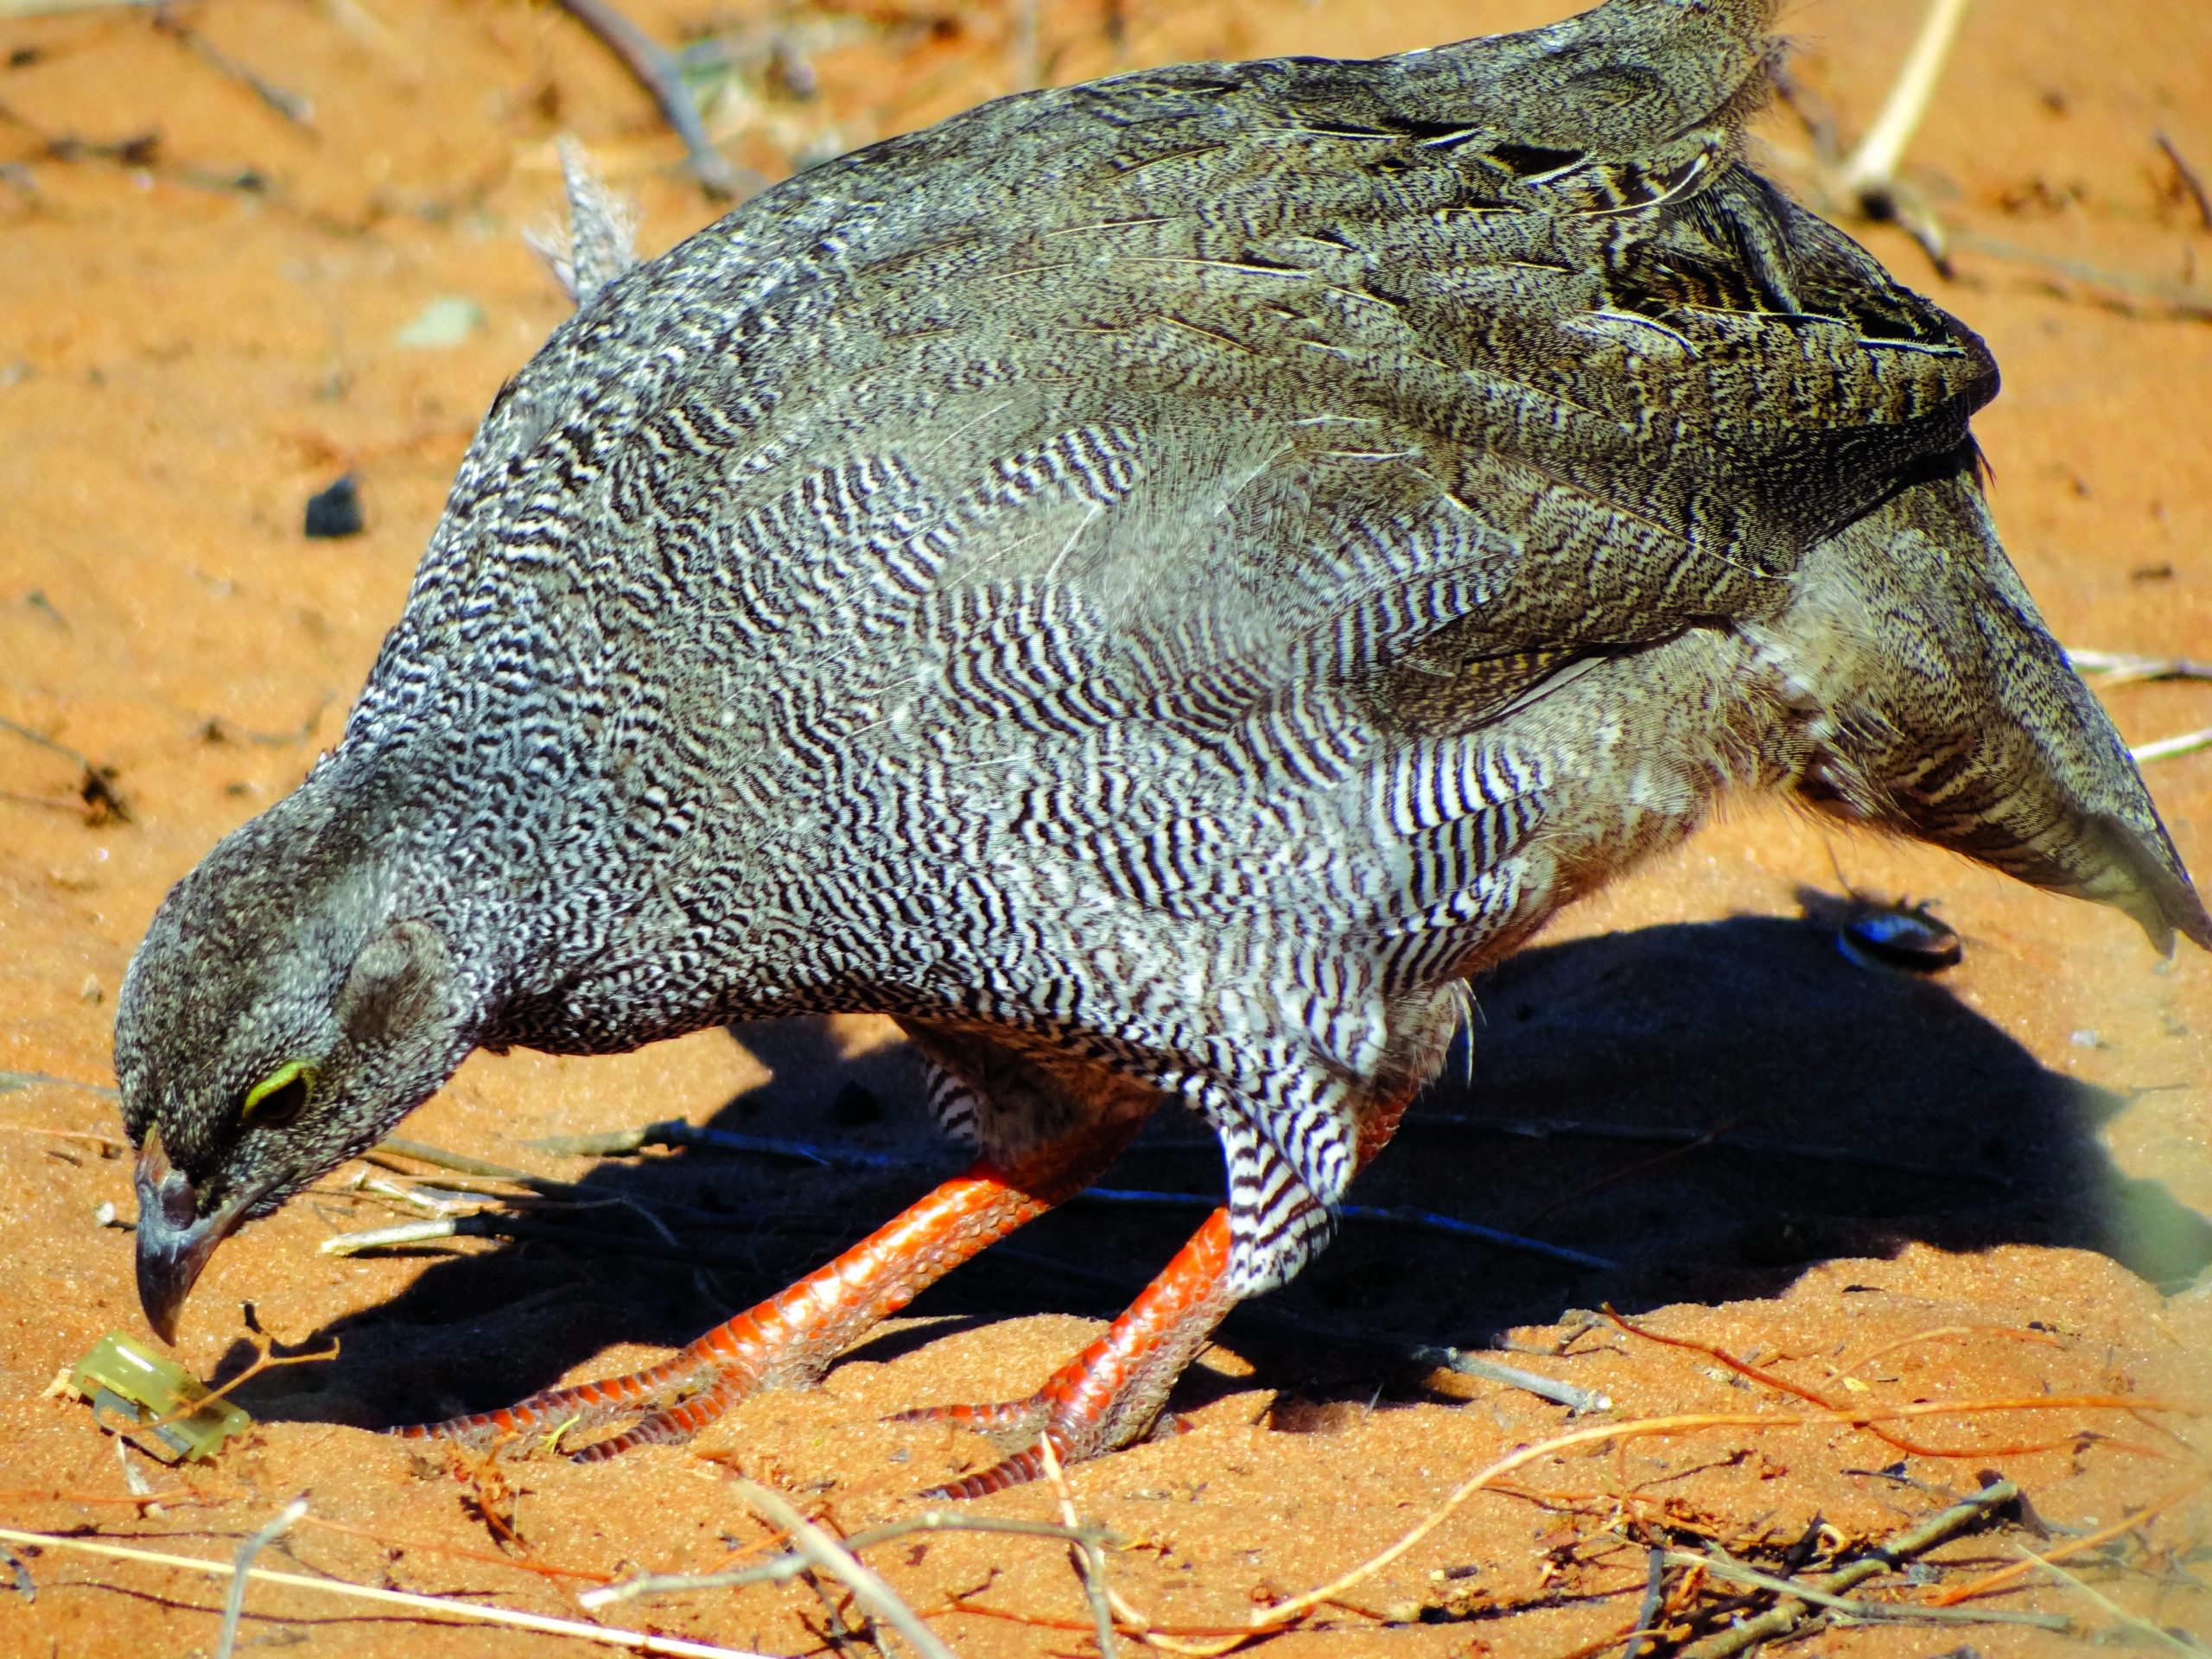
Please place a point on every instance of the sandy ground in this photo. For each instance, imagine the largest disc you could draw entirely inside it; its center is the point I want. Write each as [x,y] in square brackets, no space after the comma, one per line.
[202,304]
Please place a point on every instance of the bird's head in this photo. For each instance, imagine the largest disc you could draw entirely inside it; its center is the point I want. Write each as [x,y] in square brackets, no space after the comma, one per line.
[283,1012]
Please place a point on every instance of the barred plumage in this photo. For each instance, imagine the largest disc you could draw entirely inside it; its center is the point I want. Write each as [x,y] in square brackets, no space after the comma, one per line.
[1150,584]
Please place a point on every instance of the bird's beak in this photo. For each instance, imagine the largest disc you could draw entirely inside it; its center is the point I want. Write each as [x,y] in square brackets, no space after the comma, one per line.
[175,1240]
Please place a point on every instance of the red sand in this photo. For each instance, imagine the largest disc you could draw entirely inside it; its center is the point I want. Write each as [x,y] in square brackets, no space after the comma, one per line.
[182,362]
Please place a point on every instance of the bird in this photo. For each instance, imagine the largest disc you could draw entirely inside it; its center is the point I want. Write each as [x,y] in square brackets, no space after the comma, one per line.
[1149,584]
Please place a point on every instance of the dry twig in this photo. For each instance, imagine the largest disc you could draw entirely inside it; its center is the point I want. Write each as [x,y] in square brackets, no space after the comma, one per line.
[2187,176]
[443,1607]
[2134,1623]
[1786,1615]
[826,1555]
[234,1605]
[792,1563]
[2004,1576]
[656,71]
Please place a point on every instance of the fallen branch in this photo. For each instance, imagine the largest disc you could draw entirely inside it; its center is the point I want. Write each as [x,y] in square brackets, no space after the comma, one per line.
[606,1635]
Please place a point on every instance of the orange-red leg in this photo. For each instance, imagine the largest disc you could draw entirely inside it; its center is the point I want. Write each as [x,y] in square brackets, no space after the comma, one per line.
[794,1336]
[1109,1394]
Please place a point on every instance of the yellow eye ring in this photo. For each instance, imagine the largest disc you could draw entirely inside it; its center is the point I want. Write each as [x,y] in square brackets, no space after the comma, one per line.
[280,1097]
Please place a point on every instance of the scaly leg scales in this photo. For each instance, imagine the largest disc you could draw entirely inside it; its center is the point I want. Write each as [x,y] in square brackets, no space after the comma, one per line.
[793,1336]
[1109,1394]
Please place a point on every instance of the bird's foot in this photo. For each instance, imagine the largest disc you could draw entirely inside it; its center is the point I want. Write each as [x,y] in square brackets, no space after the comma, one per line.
[1110,1395]
[660,1404]
[789,1338]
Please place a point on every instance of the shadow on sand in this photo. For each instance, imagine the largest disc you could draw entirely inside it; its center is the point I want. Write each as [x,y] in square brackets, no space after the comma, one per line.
[1756,1028]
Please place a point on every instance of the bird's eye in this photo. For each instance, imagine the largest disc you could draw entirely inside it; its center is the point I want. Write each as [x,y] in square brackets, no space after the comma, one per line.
[280,1097]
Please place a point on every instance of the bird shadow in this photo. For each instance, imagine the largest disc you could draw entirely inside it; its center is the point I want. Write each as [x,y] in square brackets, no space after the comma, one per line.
[1819,1109]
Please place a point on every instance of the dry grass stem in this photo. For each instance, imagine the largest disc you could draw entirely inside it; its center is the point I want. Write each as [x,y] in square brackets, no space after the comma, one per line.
[2004,1576]
[826,1555]
[2166,748]
[2131,1622]
[1873,167]
[234,1605]
[606,1635]
[655,70]
[791,1564]
[1088,1559]
[1721,1566]
[490,1558]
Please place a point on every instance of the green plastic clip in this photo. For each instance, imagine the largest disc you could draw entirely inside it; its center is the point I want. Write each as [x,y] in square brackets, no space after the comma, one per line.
[133,1392]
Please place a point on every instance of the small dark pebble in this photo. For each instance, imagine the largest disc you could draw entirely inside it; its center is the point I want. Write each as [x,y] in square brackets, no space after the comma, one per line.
[1900,936]
[336,511]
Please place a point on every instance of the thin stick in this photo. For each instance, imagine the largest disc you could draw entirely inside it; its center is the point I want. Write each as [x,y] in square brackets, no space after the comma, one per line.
[26,1079]
[1873,165]
[2166,747]
[1424,1221]
[675,1132]
[46,742]
[1784,1385]
[606,1635]
[657,72]
[1581,1401]
[2134,1622]
[521,1564]
[2189,181]
[12,10]
[104,1142]
[1725,1567]
[1654,1579]
[827,1554]
[2011,1332]
[2179,299]
[289,104]
[791,1563]
[1088,1559]
[234,1607]
[2125,668]
[460,1162]
[2004,1576]
[488,1225]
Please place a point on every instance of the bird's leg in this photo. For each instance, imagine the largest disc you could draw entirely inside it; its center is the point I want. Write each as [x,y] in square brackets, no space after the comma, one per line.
[792,1336]
[1108,1395]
